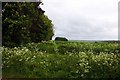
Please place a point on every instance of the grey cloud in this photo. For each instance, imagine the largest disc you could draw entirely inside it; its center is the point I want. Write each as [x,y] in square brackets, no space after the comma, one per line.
[83,23]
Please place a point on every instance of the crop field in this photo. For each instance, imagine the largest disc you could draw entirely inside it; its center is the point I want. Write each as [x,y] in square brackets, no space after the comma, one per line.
[62,60]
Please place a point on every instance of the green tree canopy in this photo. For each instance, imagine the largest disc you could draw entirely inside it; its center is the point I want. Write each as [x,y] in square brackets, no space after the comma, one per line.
[24,22]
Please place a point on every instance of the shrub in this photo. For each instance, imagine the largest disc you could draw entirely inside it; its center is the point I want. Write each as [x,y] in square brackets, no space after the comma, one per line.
[61,39]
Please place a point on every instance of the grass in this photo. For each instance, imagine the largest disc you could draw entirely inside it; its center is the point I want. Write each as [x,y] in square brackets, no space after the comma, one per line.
[62,60]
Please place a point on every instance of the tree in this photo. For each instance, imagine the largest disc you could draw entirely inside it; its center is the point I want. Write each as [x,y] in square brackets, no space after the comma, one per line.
[61,39]
[24,22]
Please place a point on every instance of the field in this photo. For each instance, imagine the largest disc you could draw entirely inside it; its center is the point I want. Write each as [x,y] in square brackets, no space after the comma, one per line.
[62,60]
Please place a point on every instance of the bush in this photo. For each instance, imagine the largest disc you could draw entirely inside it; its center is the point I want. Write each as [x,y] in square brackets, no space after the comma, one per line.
[61,39]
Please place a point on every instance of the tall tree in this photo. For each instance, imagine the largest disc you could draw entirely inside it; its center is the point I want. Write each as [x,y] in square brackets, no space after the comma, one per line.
[24,22]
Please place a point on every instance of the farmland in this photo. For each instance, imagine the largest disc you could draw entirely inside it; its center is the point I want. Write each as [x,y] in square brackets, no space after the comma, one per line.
[62,60]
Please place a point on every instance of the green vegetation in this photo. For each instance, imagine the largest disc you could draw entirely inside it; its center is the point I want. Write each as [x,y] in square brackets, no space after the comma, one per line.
[61,39]
[28,53]
[24,22]
[62,60]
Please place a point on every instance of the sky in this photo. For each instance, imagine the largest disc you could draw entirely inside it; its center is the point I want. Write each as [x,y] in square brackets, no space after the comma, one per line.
[83,19]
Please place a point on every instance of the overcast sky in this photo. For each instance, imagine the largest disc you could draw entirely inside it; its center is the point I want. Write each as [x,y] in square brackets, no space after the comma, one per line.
[83,19]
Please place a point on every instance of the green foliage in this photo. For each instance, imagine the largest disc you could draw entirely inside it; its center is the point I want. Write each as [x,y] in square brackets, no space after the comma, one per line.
[60,39]
[44,60]
[23,23]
